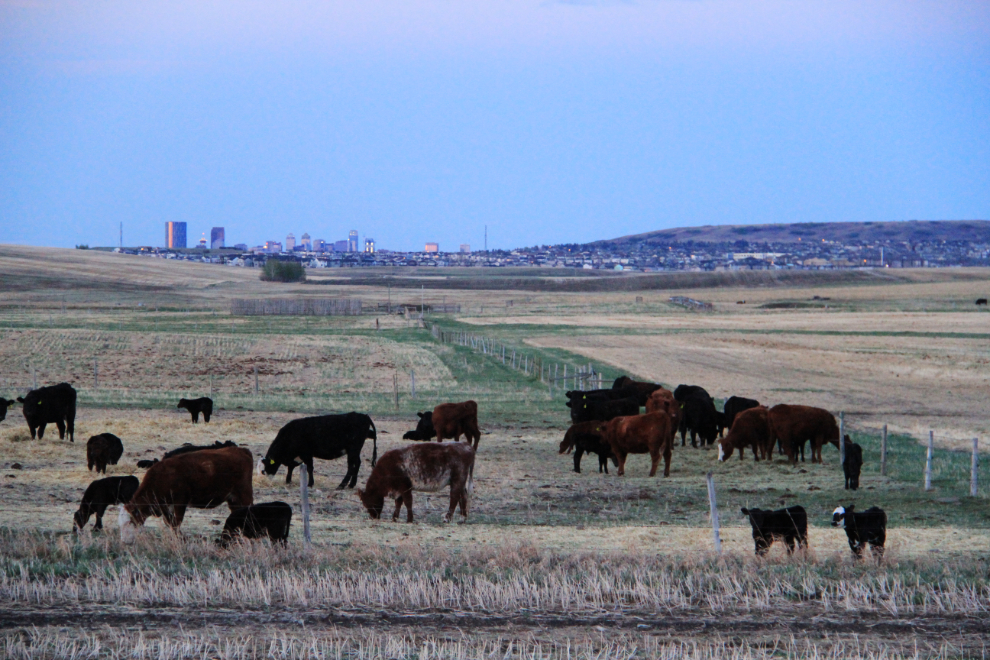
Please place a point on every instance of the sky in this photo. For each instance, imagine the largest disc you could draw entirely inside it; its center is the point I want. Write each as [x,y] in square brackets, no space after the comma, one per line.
[427,120]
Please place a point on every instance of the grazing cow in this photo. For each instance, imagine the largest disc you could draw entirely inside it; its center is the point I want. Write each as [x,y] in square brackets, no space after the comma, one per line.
[424,428]
[590,410]
[795,425]
[641,434]
[577,400]
[425,468]
[102,493]
[641,390]
[870,526]
[102,450]
[185,449]
[201,479]
[981,301]
[735,405]
[54,404]
[852,464]
[203,404]
[451,420]
[683,392]
[790,524]
[663,401]
[327,437]
[587,437]
[268,520]
[700,417]
[4,404]
[750,429]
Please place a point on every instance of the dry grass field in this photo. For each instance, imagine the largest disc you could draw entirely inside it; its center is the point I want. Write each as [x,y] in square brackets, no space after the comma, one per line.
[551,563]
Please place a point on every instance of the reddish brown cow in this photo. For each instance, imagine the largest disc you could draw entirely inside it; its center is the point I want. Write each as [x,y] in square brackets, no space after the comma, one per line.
[201,479]
[641,434]
[426,468]
[750,428]
[663,401]
[795,425]
[451,420]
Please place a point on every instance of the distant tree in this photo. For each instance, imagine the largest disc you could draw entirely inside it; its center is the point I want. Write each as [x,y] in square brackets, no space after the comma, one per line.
[283,271]
[82,246]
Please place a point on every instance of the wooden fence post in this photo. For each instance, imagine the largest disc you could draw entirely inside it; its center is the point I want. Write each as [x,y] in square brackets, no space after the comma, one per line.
[211,386]
[842,438]
[928,460]
[714,511]
[395,388]
[974,467]
[34,378]
[883,452]
[96,374]
[256,380]
[304,500]
[412,384]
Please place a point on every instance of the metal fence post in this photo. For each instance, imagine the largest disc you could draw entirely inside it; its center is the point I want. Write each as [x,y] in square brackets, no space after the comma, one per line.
[304,497]
[974,467]
[928,460]
[883,452]
[714,511]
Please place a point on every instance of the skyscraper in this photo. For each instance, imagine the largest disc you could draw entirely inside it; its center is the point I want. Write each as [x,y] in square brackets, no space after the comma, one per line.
[369,245]
[290,243]
[432,247]
[352,241]
[307,244]
[216,238]
[175,235]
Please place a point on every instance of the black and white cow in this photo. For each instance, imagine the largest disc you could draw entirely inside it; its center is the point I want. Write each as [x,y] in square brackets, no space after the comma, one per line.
[870,526]
[852,463]
[790,524]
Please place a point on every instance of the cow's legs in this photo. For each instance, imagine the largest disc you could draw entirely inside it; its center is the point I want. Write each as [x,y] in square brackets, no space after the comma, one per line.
[577,460]
[100,510]
[654,461]
[288,474]
[666,461]
[309,469]
[60,425]
[206,417]
[602,463]
[622,463]
[877,551]
[195,416]
[464,502]
[789,540]
[353,467]
[455,497]
[407,499]
[683,430]
[41,431]
[398,509]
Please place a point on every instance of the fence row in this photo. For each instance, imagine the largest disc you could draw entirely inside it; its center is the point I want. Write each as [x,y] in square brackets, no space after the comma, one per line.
[295,306]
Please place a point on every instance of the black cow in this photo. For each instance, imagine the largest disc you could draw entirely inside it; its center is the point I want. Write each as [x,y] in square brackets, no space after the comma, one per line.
[102,493]
[639,389]
[981,301]
[684,391]
[586,437]
[790,524]
[424,428]
[55,404]
[102,450]
[700,417]
[203,404]
[870,526]
[268,520]
[327,437]
[852,463]
[601,410]
[735,405]
[4,404]
[185,449]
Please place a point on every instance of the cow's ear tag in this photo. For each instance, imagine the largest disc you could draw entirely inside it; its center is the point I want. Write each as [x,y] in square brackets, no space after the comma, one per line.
[272,461]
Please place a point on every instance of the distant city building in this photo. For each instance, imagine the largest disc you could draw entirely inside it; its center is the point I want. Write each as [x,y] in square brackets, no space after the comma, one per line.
[216,238]
[466,248]
[273,246]
[175,235]
[202,242]
[352,241]
[319,245]
[241,246]
[369,245]
[341,246]
[307,244]
[432,247]
[290,243]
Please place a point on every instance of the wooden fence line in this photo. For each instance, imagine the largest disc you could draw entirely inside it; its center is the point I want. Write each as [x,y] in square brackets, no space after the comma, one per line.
[295,307]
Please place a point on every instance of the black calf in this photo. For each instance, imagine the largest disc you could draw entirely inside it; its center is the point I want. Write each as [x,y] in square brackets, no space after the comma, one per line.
[102,493]
[852,464]
[4,404]
[269,520]
[424,428]
[870,526]
[195,406]
[102,450]
[790,524]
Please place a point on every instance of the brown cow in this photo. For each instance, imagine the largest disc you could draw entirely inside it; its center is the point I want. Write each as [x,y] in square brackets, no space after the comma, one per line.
[750,428]
[451,420]
[201,479]
[663,401]
[641,434]
[795,425]
[426,468]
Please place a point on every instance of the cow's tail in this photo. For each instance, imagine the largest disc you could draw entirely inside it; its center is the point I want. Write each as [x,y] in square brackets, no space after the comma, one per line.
[374,452]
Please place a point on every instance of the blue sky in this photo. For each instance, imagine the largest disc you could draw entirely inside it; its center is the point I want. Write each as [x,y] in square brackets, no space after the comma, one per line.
[550,122]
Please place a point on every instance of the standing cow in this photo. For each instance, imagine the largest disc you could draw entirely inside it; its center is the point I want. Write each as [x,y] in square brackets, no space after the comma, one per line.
[452,420]
[425,468]
[663,400]
[102,450]
[99,495]
[54,404]
[750,429]
[793,426]
[587,437]
[735,405]
[852,463]
[204,405]
[200,479]
[790,524]
[641,389]
[326,437]
[4,404]
[870,526]
[641,434]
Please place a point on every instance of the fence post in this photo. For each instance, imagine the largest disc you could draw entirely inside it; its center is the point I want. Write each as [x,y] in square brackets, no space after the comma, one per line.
[883,452]
[256,379]
[412,384]
[395,387]
[974,467]
[565,376]
[304,497]
[34,378]
[211,386]
[842,438]
[96,374]
[714,510]
[928,460]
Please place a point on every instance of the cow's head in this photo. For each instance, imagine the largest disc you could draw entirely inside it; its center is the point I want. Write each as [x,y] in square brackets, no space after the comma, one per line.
[128,520]
[4,404]
[31,405]
[183,403]
[724,450]
[840,514]
[373,503]
[268,465]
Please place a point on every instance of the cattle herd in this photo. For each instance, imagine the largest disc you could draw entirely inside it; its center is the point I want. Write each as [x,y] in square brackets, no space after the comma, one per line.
[605,422]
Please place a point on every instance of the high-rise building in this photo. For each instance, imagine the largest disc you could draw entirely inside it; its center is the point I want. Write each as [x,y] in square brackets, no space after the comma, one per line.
[352,241]
[273,246]
[341,246]
[307,244]
[216,238]
[369,245]
[290,243]
[465,247]
[432,247]
[175,235]
[319,245]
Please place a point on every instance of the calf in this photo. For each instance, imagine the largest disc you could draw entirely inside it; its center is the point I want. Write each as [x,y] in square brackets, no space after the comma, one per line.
[424,428]
[981,301]
[204,405]
[102,450]
[54,404]
[424,468]
[587,437]
[852,463]
[99,495]
[870,526]
[4,404]
[790,524]
[750,429]
[663,401]
[793,426]
[451,420]
[700,417]
[640,434]
[327,437]
[268,520]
